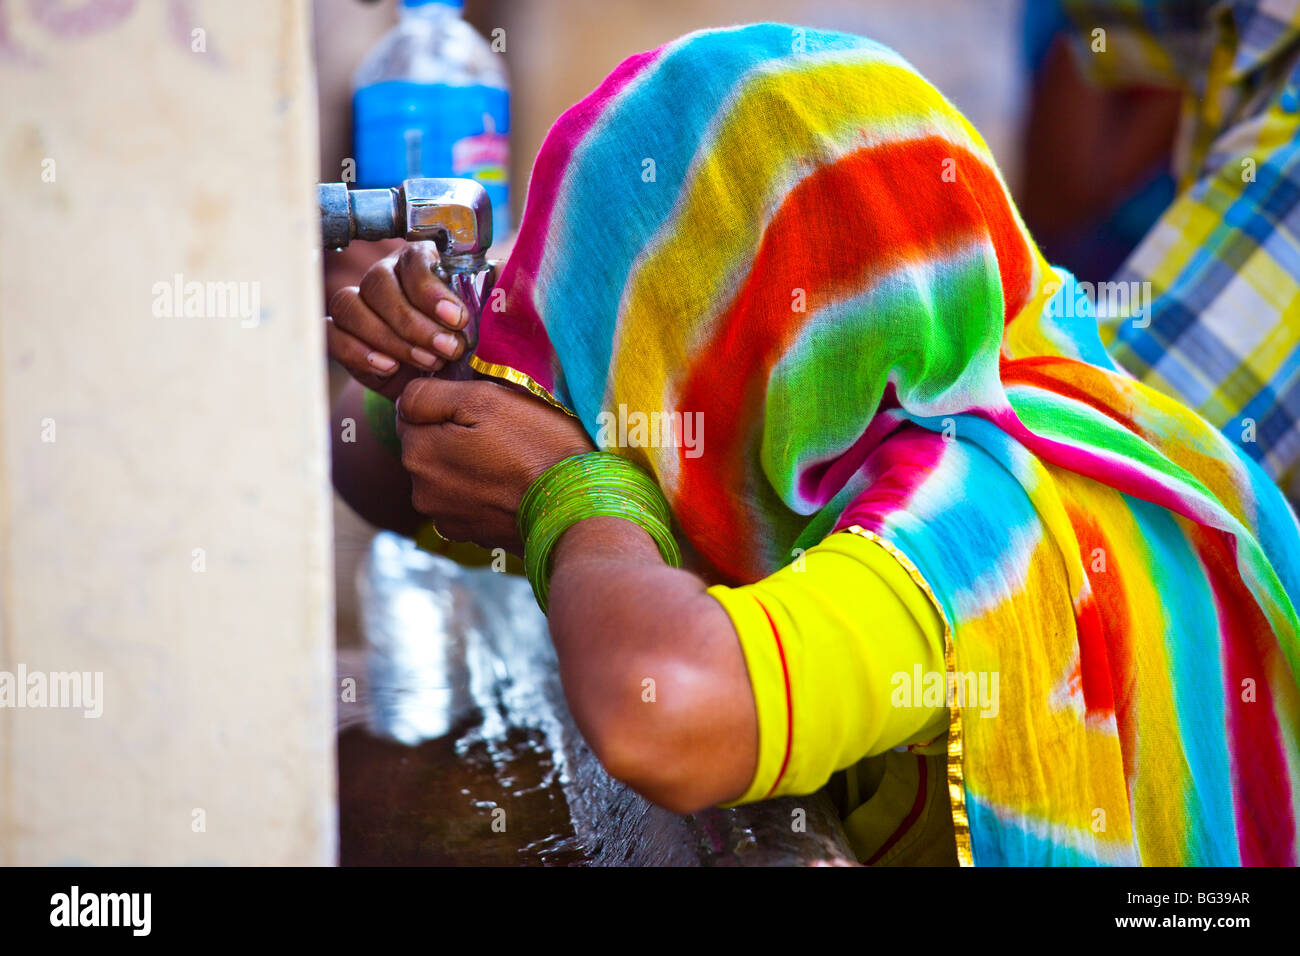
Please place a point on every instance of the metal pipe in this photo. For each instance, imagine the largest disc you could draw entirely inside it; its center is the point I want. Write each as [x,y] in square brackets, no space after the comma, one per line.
[456,214]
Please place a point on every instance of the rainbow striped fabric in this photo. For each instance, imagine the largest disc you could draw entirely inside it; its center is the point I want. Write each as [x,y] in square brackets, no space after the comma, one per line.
[793,236]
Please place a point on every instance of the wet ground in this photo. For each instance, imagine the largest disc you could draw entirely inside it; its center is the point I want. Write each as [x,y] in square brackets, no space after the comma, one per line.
[450,752]
[431,805]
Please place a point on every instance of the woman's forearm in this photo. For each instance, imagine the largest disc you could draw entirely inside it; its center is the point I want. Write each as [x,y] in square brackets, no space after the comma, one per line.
[652,668]
[368,476]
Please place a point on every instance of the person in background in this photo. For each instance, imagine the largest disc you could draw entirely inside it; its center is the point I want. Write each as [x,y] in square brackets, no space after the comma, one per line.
[1096,168]
[1223,330]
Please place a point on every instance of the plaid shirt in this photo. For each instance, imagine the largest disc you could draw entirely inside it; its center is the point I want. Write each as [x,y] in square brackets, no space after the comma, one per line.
[1223,330]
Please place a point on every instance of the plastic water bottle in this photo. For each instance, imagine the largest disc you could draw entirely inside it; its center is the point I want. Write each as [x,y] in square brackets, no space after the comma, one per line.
[432,99]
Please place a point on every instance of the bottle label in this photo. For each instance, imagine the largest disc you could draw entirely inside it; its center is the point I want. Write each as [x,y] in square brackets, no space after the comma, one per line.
[403,129]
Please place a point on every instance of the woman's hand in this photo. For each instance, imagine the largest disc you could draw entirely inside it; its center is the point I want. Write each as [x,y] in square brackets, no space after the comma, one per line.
[473,448]
[400,323]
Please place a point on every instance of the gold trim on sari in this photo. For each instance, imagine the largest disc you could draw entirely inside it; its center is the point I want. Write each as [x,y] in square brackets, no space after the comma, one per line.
[956,787]
[516,377]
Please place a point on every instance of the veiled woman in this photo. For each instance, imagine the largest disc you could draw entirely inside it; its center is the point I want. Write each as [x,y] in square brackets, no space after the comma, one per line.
[931,544]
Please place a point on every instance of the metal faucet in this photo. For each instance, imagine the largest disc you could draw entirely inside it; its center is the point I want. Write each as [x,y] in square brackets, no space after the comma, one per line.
[456,214]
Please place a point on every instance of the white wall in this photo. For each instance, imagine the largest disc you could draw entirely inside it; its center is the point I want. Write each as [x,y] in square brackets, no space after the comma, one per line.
[163,478]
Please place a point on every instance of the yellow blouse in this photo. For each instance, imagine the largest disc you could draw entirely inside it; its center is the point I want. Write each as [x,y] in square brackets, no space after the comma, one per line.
[836,645]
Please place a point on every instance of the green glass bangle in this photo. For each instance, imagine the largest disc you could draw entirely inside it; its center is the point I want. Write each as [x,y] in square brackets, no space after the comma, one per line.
[593,470]
[594,485]
[381,416]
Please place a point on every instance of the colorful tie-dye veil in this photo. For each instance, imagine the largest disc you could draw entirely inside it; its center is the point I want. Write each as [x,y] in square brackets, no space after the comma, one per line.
[794,234]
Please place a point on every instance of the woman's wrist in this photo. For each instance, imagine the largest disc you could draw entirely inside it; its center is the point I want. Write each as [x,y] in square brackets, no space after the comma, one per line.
[581,488]
[603,538]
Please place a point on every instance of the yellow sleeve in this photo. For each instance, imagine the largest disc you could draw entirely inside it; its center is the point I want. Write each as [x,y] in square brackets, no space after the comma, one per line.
[833,645]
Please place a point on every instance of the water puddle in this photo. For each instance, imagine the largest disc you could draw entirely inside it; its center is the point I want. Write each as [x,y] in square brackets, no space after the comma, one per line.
[452,752]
